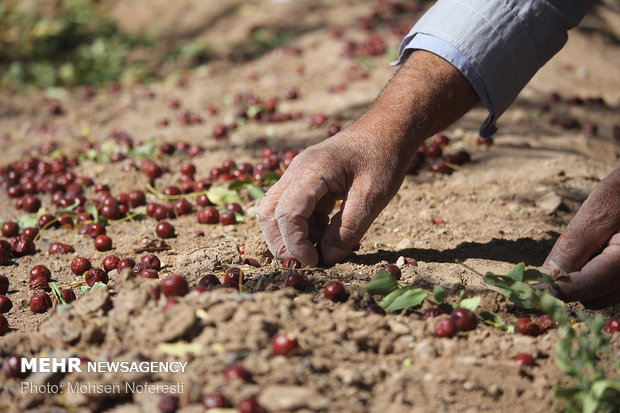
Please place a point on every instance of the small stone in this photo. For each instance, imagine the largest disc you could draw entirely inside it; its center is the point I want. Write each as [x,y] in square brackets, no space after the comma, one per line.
[550,202]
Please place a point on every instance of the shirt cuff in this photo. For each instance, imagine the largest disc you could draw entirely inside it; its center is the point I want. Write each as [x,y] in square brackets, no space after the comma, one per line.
[506,42]
[452,55]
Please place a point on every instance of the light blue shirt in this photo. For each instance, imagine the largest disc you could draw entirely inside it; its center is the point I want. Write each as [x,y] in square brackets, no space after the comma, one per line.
[498,45]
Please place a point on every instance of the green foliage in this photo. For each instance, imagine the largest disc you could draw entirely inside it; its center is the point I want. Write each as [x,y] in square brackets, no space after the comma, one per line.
[395,296]
[74,44]
[579,352]
[578,356]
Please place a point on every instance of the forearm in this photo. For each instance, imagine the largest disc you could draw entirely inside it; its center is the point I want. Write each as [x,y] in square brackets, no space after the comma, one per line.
[424,97]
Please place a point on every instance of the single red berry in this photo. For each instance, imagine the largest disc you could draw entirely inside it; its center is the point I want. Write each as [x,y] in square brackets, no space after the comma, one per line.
[103,243]
[40,271]
[394,270]
[68,295]
[10,229]
[291,262]
[5,304]
[80,265]
[171,302]
[335,291]
[228,218]
[40,303]
[209,281]
[125,263]
[252,262]
[295,280]
[21,246]
[433,151]
[442,140]
[182,207]
[250,405]
[612,325]
[174,286]
[95,229]
[284,344]
[12,367]
[233,274]
[4,325]
[136,198]
[95,275]
[464,320]
[214,400]
[30,232]
[527,326]
[375,309]
[431,312]
[439,167]
[164,230]
[188,169]
[60,248]
[545,322]
[40,283]
[203,201]
[110,263]
[444,327]
[4,284]
[149,273]
[151,261]
[31,203]
[234,207]
[168,403]
[524,359]
[237,372]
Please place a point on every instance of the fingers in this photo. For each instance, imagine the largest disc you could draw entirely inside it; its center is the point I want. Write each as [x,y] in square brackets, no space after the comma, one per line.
[348,226]
[296,206]
[592,226]
[265,214]
[598,282]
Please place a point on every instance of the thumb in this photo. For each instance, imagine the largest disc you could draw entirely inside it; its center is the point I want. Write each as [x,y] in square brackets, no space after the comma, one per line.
[348,226]
[595,222]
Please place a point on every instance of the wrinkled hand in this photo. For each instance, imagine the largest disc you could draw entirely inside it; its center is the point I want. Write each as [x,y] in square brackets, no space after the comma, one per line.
[593,280]
[352,166]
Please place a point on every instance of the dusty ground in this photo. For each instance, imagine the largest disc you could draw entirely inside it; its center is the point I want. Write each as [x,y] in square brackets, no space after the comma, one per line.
[350,361]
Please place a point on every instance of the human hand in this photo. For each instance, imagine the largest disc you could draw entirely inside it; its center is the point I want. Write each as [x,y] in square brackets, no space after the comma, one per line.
[593,280]
[362,170]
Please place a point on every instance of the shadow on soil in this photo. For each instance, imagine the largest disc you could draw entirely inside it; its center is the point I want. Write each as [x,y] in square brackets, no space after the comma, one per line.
[527,250]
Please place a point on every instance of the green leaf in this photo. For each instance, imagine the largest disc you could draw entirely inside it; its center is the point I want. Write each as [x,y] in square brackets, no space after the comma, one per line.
[146,150]
[516,272]
[410,297]
[239,217]
[501,282]
[439,293]
[68,209]
[389,299]
[270,178]
[599,387]
[92,209]
[537,276]
[57,293]
[220,196]
[382,283]
[470,304]
[590,403]
[239,184]
[255,192]
[492,319]
[27,221]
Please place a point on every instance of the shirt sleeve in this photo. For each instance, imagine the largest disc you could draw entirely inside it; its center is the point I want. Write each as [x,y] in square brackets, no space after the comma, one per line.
[498,45]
